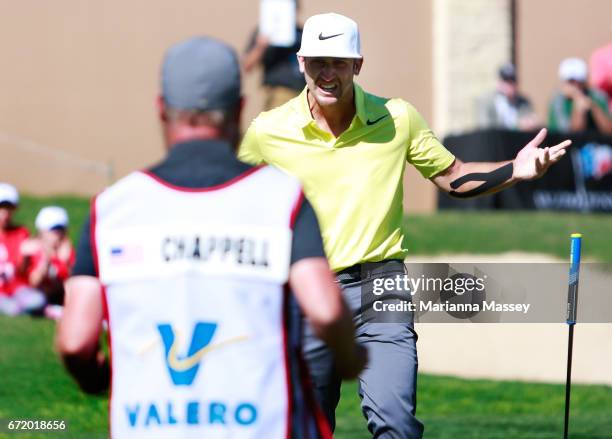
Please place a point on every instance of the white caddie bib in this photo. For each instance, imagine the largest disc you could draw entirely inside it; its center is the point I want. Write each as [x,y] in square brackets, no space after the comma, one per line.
[195,289]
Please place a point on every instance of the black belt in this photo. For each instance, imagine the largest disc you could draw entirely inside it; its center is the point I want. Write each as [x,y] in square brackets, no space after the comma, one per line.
[368,270]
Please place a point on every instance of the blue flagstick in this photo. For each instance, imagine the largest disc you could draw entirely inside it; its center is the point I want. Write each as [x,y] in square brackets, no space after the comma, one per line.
[572,310]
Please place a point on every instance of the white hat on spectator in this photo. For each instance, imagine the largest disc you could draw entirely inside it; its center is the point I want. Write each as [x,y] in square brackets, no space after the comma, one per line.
[51,217]
[573,69]
[330,35]
[9,194]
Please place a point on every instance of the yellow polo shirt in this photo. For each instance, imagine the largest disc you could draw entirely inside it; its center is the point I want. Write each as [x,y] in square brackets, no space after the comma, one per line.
[354,181]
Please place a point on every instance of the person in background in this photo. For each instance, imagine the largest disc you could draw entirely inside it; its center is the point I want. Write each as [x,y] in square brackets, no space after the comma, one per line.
[47,259]
[601,71]
[15,296]
[506,107]
[282,79]
[577,107]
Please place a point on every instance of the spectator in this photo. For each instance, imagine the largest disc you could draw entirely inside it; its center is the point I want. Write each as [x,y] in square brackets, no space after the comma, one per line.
[576,107]
[15,295]
[601,71]
[47,260]
[282,79]
[506,107]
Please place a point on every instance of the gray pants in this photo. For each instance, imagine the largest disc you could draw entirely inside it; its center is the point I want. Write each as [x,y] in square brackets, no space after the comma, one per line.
[387,387]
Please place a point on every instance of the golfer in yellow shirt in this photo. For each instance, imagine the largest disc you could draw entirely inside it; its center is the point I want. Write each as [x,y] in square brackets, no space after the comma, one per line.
[349,148]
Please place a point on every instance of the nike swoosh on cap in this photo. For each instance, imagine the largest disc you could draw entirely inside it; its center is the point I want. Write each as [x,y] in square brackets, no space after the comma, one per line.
[327,37]
[372,122]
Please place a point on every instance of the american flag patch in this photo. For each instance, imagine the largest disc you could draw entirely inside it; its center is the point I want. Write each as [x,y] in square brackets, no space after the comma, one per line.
[126,254]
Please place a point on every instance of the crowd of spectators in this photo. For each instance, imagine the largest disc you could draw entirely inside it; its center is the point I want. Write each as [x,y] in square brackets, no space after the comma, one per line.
[33,267]
[583,101]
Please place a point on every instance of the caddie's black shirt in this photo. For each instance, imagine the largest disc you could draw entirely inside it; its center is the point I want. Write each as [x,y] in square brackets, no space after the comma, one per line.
[206,163]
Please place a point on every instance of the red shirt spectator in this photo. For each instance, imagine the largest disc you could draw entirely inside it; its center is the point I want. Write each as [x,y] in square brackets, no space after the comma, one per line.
[11,239]
[16,297]
[601,70]
[48,258]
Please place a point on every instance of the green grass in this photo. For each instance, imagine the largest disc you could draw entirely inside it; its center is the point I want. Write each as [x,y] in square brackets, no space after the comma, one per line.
[35,386]
[495,232]
[460,408]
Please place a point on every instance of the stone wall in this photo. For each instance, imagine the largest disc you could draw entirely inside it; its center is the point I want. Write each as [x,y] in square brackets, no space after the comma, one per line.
[471,39]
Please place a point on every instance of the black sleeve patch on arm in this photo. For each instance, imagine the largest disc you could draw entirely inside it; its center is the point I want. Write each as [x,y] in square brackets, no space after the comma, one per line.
[490,180]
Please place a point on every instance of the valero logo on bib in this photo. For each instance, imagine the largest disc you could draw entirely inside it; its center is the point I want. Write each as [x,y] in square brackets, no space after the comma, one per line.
[183,369]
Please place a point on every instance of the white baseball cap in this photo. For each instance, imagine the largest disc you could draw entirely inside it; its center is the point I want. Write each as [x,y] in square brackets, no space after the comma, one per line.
[330,35]
[9,194]
[51,217]
[573,69]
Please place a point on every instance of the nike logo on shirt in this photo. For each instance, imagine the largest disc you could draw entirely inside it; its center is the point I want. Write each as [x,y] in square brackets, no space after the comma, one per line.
[372,122]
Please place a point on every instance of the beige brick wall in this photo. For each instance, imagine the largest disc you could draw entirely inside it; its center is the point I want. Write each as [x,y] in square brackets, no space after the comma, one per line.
[471,40]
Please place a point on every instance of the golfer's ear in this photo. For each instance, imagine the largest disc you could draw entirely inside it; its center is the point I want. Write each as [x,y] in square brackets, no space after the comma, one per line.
[161,108]
[301,63]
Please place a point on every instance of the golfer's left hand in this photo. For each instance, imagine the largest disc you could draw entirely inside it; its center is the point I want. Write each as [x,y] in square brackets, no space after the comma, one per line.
[532,162]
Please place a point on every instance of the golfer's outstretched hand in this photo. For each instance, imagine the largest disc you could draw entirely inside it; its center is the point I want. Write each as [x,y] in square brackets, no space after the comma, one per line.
[532,162]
